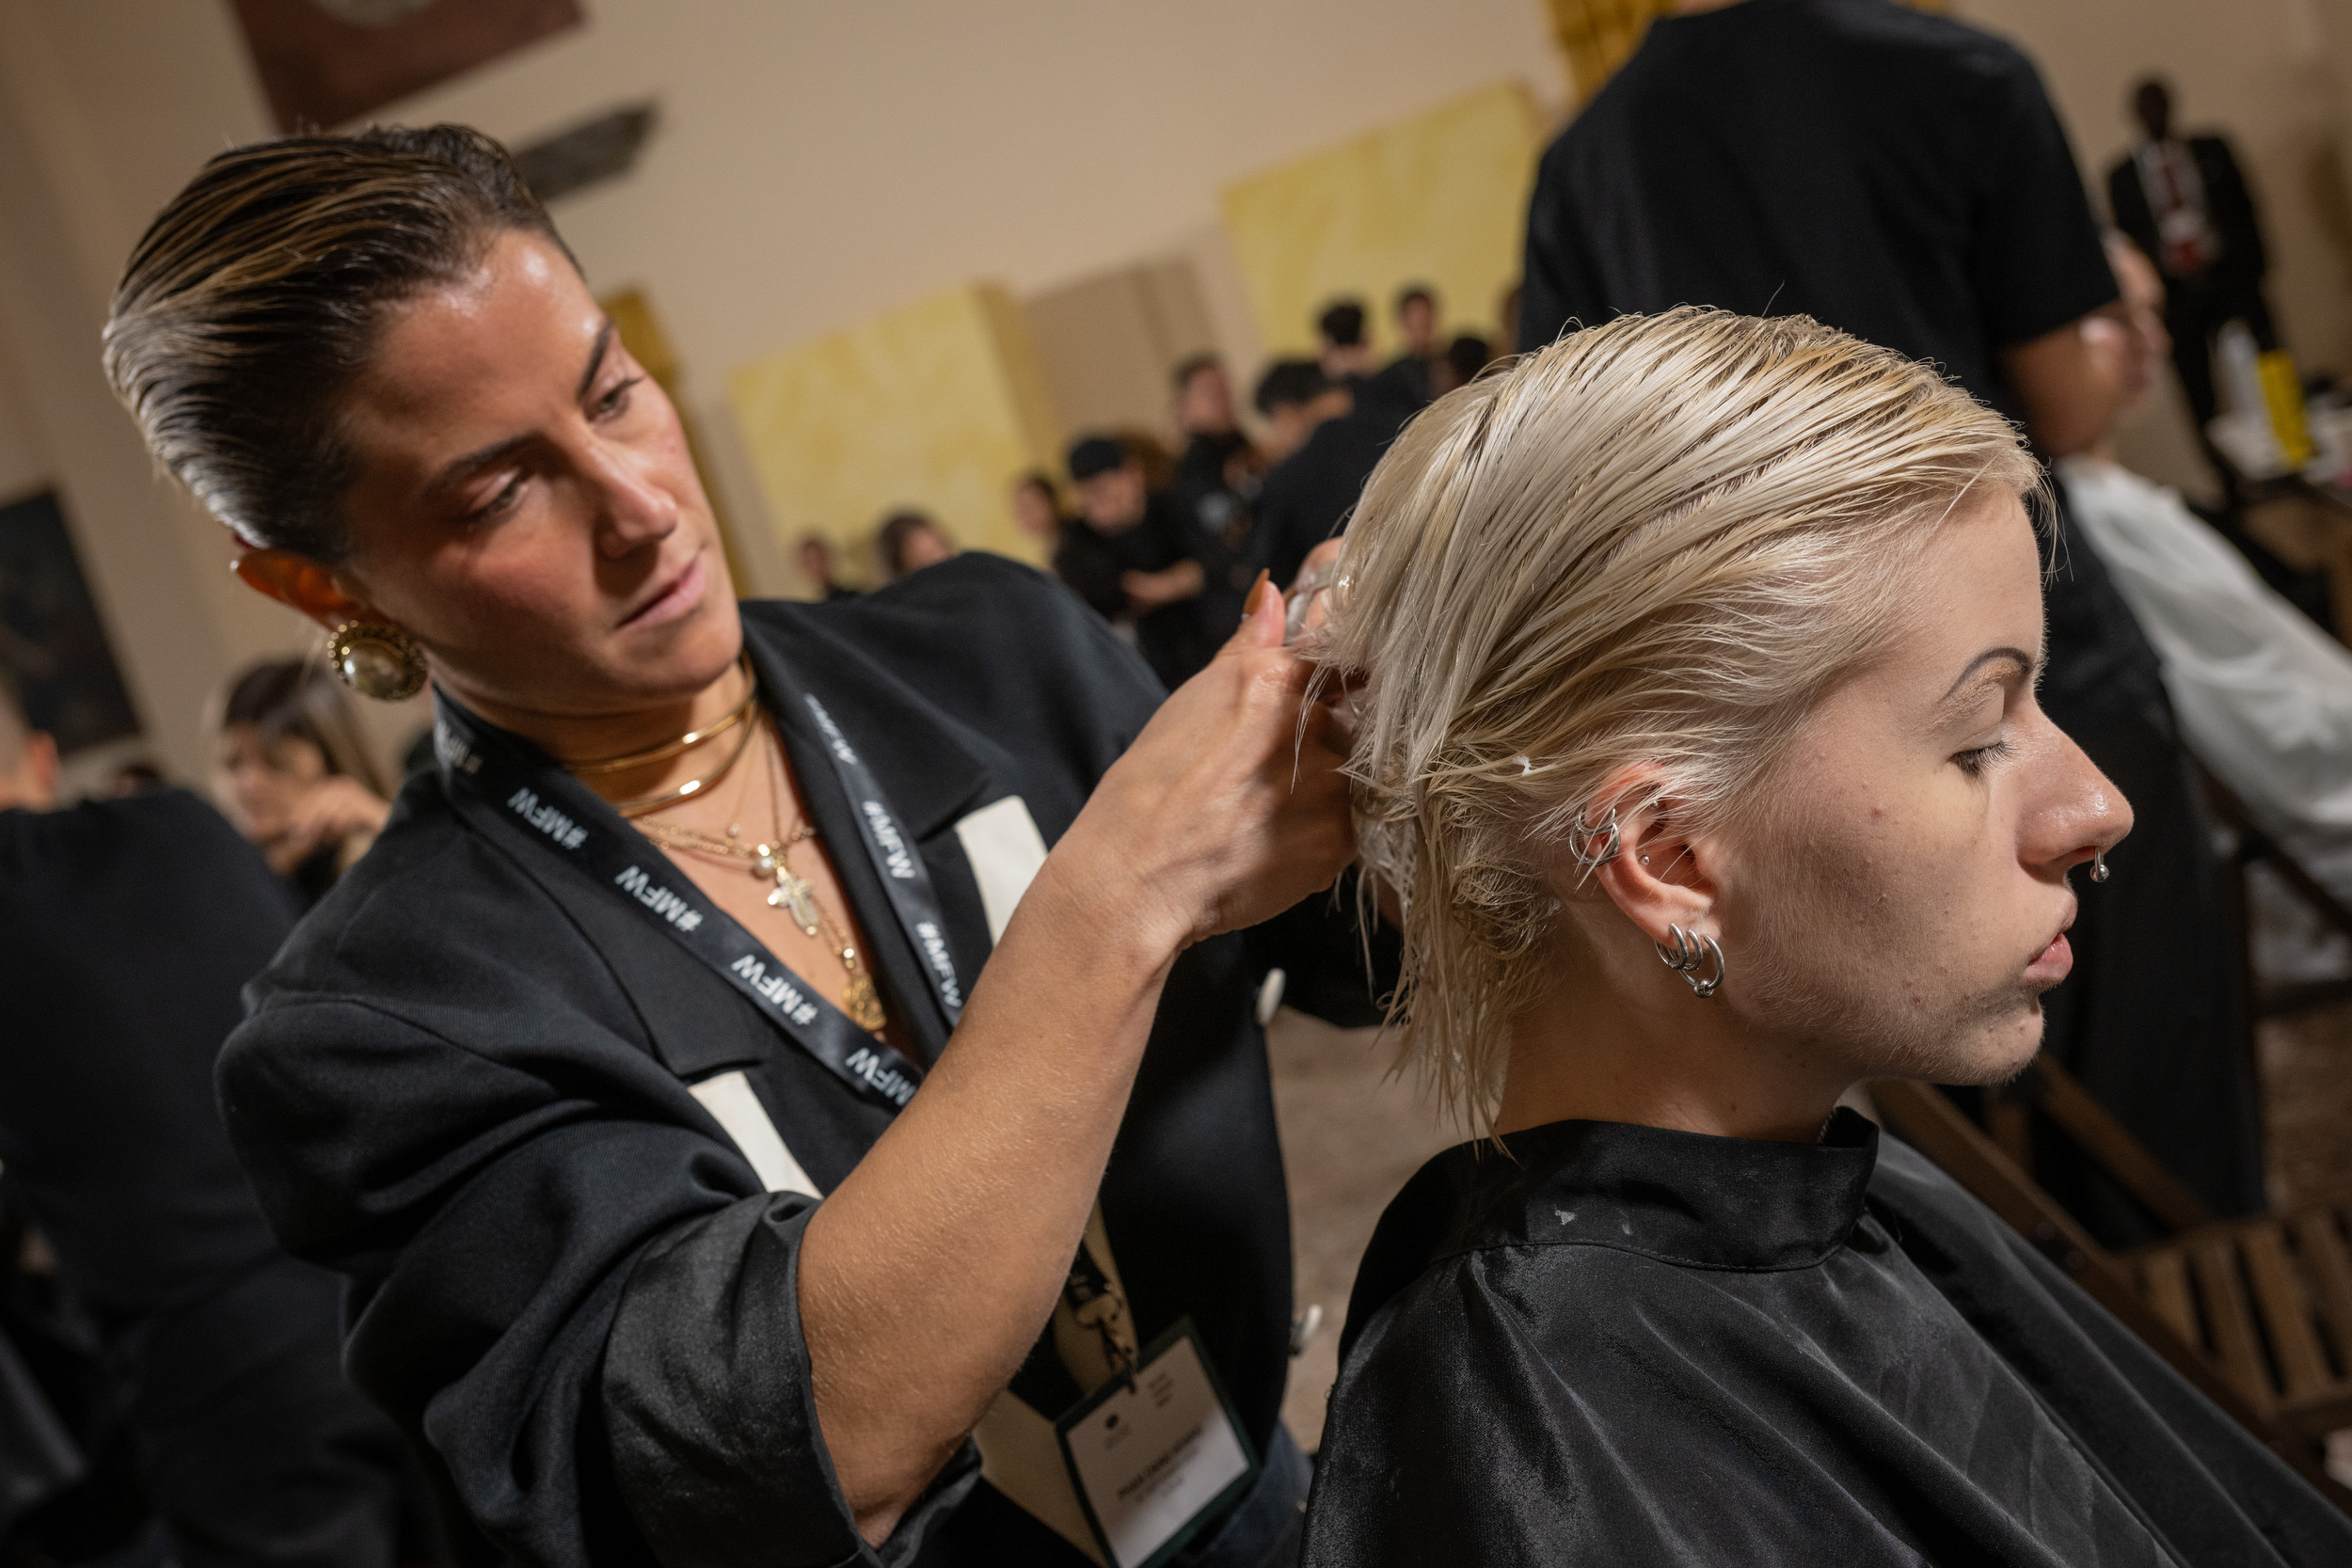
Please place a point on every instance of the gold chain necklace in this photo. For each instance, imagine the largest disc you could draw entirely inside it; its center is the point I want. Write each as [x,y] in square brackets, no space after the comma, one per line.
[793,893]
[686,742]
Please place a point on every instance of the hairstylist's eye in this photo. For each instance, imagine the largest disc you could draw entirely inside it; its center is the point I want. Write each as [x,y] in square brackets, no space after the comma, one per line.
[1975,761]
[616,400]
[506,497]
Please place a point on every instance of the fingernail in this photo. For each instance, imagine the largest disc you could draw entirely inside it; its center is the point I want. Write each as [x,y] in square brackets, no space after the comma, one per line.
[1249,604]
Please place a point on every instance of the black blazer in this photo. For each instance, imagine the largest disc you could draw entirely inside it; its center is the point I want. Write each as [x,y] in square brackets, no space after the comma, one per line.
[465,1086]
[2229,207]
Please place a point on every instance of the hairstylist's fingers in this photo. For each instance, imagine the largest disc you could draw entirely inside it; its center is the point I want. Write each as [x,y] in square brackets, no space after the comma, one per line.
[1261,619]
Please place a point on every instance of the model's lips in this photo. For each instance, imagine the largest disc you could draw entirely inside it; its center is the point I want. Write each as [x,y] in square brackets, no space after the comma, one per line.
[677,597]
[2055,960]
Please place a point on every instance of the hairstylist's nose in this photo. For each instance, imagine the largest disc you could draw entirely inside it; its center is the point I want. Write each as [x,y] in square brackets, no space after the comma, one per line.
[631,509]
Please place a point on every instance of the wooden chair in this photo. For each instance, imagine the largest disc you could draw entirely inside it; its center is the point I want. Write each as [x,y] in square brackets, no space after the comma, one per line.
[2256,1313]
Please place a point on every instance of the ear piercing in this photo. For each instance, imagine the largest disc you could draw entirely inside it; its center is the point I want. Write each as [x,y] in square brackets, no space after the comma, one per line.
[1594,844]
[1689,952]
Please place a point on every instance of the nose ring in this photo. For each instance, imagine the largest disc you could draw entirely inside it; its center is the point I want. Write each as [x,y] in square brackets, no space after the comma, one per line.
[2099,872]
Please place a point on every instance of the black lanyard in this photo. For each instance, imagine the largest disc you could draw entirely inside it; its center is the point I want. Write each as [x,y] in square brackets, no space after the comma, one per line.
[511,790]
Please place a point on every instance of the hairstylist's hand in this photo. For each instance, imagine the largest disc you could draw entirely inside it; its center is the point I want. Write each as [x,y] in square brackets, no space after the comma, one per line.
[1222,814]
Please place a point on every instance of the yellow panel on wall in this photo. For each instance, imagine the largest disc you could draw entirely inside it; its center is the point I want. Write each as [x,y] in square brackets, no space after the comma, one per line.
[1439,198]
[934,406]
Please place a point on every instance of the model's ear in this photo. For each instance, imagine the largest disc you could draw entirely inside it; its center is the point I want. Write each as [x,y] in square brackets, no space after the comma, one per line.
[300,583]
[1661,875]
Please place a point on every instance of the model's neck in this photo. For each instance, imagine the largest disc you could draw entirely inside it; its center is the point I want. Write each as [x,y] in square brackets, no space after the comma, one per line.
[591,736]
[1626,1048]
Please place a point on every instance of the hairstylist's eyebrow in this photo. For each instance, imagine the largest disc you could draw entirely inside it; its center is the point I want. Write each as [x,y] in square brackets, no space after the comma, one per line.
[460,469]
[595,360]
[2027,664]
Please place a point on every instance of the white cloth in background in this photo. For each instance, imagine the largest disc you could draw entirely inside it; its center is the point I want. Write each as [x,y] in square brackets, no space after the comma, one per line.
[2264,697]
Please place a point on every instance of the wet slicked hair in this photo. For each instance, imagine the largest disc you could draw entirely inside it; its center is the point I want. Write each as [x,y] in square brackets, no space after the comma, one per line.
[1661,540]
[258,292]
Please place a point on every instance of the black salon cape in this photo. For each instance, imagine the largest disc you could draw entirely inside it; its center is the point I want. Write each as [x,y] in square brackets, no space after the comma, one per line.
[1642,1347]
[464,1085]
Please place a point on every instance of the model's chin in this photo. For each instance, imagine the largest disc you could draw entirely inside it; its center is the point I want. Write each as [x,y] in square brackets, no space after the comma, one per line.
[1999,1049]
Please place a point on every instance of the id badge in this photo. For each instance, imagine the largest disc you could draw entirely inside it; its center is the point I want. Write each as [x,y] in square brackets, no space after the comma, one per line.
[1156,1456]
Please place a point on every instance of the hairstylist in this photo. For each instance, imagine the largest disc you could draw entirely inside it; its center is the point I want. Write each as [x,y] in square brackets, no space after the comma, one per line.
[700,1192]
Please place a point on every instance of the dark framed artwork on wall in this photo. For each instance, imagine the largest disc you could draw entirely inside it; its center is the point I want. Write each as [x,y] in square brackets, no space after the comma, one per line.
[325,62]
[53,652]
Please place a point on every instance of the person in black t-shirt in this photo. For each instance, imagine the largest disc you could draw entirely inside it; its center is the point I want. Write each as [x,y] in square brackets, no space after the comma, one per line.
[1132,557]
[1307,495]
[1904,178]
[1412,375]
[127,928]
[1216,478]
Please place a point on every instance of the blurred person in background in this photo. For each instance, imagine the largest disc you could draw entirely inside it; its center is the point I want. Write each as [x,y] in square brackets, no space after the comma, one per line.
[1037,509]
[1466,359]
[819,571]
[1340,429]
[1294,396]
[2184,204]
[1904,178]
[1413,373]
[2264,696]
[129,927]
[909,541]
[292,773]
[1134,559]
[1216,479]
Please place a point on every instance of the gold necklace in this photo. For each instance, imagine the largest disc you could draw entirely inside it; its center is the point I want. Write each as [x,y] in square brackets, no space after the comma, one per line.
[645,803]
[686,742]
[793,893]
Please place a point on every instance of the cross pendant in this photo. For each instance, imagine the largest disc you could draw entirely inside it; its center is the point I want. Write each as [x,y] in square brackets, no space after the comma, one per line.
[795,896]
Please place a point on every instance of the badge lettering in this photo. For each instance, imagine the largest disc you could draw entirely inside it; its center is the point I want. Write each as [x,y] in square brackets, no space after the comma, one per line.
[778,990]
[454,754]
[527,805]
[894,847]
[660,899]
[889,1081]
[834,737]
[935,949]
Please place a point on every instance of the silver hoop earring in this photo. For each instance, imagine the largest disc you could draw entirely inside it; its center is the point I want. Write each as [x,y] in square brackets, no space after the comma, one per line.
[2099,872]
[1689,953]
[1584,836]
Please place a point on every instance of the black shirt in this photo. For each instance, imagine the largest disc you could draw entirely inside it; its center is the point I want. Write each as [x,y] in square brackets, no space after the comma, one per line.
[465,1084]
[1631,1345]
[1893,174]
[1091,562]
[128,928]
[1309,494]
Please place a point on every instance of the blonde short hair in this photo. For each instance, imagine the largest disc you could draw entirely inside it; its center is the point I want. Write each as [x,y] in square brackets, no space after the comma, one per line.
[1659,541]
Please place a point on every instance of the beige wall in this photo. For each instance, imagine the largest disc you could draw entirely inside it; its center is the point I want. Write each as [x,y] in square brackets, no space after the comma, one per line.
[2269,74]
[815,165]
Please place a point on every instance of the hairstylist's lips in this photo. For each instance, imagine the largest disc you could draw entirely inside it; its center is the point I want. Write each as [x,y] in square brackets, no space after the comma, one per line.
[2055,962]
[672,598]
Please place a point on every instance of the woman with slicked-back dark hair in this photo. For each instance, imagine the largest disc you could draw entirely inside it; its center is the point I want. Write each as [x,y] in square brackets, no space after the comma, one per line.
[708,1078]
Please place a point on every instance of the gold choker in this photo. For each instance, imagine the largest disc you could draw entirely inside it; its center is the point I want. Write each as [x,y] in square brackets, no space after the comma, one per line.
[686,742]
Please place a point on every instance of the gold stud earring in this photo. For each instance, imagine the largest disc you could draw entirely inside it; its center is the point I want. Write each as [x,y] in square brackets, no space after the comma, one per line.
[377,659]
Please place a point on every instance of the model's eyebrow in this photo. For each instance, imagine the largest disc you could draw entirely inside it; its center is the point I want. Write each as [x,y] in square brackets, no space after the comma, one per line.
[595,360]
[2027,665]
